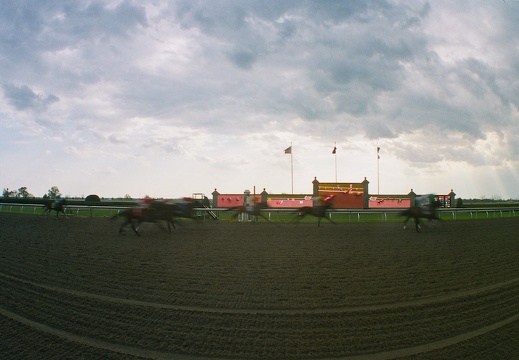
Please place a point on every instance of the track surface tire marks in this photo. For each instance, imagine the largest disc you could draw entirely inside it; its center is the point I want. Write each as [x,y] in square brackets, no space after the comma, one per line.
[221,290]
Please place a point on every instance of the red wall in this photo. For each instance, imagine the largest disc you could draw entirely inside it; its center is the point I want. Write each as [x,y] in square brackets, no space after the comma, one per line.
[230,200]
[385,202]
[289,203]
[233,200]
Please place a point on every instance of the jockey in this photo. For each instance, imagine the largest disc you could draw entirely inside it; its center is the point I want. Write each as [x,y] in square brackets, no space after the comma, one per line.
[182,206]
[143,205]
[251,204]
[323,200]
[425,202]
[329,198]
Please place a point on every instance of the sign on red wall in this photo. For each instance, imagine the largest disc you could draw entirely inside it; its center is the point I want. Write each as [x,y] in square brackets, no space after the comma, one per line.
[347,195]
[388,202]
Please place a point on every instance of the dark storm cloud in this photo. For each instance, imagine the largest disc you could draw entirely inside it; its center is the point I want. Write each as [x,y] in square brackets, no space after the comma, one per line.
[351,53]
[242,58]
[123,20]
[378,130]
[23,98]
[478,78]
[31,28]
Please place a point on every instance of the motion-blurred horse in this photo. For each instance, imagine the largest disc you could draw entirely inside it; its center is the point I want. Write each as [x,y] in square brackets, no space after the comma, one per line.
[427,211]
[185,207]
[57,205]
[319,211]
[254,210]
[157,210]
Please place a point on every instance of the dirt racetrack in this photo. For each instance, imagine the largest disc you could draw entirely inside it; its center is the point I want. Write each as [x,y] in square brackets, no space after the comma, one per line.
[74,288]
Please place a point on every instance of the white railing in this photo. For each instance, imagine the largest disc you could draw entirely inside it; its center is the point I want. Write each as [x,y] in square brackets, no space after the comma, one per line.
[69,209]
[352,214]
[385,214]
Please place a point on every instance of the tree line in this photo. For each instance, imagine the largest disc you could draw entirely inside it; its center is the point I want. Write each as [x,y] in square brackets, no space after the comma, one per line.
[23,193]
[52,193]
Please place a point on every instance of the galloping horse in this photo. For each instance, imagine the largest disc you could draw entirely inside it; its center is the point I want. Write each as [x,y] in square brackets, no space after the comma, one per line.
[155,211]
[319,211]
[57,205]
[184,208]
[253,210]
[427,211]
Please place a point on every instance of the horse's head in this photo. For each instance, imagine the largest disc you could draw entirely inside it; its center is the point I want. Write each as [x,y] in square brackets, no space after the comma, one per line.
[184,207]
[436,204]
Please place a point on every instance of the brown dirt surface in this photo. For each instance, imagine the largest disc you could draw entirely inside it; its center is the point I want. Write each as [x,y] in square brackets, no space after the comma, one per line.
[74,288]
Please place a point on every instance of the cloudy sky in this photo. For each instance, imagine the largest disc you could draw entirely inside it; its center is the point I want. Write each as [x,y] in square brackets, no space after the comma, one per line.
[170,98]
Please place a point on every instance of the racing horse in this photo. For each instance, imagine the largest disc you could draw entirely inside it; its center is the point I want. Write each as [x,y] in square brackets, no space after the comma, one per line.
[319,211]
[57,205]
[254,210]
[426,211]
[154,211]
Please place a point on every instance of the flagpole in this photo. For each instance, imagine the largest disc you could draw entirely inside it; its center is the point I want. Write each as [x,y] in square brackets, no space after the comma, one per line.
[292,167]
[288,150]
[378,170]
[335,153]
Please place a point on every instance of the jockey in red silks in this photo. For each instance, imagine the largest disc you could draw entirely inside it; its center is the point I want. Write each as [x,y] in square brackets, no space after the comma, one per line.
[143,205]
[329,198]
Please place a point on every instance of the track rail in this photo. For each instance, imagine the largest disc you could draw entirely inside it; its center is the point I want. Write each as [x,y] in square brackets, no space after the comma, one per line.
[353,214]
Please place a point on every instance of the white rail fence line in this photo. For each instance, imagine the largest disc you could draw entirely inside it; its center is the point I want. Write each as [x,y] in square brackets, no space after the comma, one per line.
[353,214]
[69,209]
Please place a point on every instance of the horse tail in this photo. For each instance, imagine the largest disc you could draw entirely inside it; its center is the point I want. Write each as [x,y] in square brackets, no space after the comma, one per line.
[123,212]
[114,217]
[302,212]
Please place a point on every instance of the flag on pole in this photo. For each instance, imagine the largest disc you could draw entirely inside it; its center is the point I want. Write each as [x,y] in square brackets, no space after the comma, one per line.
[288,151]
[334,152]
[378,152]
